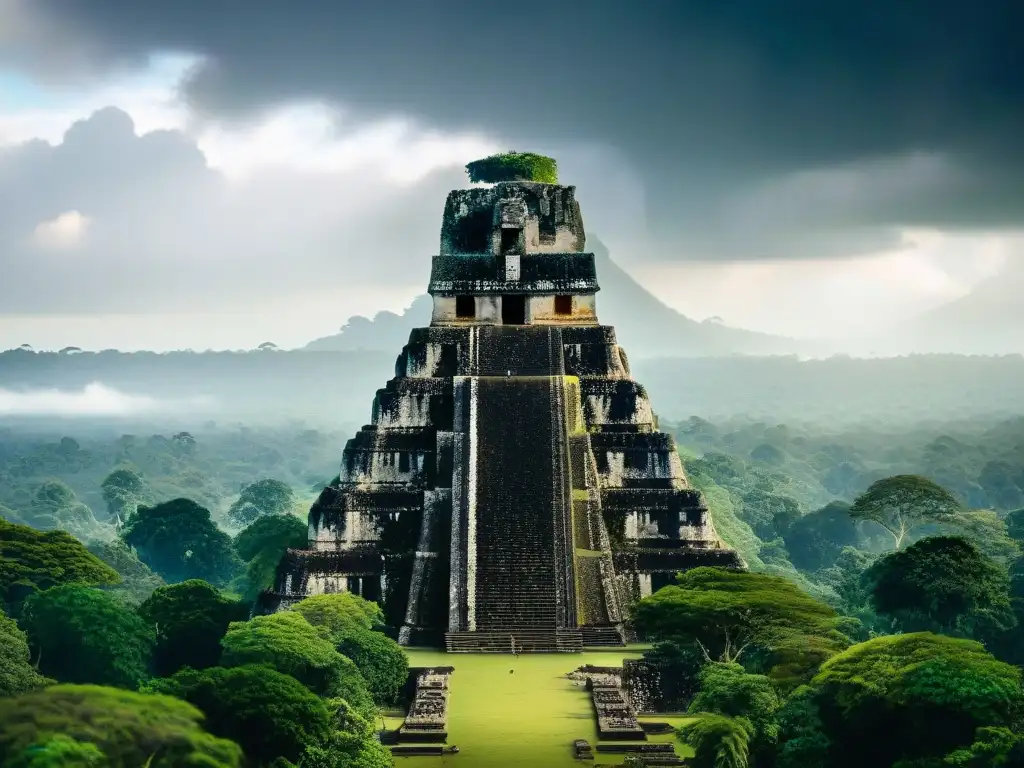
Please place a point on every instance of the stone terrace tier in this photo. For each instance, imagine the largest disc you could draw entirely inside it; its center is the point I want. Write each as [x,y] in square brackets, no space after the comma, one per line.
[486,273]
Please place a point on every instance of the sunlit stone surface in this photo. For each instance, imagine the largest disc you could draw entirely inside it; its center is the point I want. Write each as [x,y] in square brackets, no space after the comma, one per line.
[512,491]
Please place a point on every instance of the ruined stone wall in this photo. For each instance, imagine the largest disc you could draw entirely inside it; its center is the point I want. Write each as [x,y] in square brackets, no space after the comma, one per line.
[547,214]
[642,683]
[540,310]
[478,274]
[487,310]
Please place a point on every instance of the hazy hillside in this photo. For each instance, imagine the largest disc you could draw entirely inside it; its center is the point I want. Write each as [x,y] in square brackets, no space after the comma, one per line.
[988,320]
[646,327]
[332,389]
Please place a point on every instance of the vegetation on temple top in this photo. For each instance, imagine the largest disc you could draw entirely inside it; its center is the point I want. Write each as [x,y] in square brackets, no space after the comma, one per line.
[513,166]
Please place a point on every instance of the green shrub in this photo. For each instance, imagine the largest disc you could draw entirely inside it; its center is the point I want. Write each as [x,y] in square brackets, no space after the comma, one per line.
[514,166]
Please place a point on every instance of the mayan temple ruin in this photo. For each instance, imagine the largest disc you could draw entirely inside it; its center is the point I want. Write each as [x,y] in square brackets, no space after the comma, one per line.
[512,489]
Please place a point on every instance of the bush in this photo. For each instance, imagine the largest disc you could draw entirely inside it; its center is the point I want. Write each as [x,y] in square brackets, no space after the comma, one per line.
[513,166]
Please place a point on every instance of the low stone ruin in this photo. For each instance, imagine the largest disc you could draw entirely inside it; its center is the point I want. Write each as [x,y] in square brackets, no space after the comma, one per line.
[582,750]
[657,729]
[649,754]
[616,718]
[427,719]
[642,682]
[639,680]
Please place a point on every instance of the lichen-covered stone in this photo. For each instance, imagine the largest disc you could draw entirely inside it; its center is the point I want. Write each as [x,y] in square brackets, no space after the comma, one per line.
[547,214]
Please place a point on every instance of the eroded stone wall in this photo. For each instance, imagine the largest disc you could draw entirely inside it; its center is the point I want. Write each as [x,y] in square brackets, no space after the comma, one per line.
[547,214]
[539,309]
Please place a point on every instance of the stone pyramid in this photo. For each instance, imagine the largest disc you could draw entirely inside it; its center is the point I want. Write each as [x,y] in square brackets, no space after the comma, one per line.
[512,491]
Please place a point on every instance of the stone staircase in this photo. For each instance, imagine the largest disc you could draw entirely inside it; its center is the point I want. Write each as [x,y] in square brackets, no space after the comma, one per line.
[602,637]
[526,641]
[516,507]
[526,350]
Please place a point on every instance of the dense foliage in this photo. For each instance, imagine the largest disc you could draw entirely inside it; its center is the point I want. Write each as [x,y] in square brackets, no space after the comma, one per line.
[17,675]
[31,560]
[340,612]
[264,497]
[190,619]
[944,584]
[903,504]
[732,613]
[84,635]
[137,580]
[127,729]
[513,166]
[261,546]
[851,534]
[293,646]
[268,713]
[719,742]
[179,541]
[933,691]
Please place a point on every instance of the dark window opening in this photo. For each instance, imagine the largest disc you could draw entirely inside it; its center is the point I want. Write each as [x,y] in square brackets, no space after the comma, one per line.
[472,233]
[513,310]
[465,306]
[636,460]
[563,305]
[510,240]
[403,462]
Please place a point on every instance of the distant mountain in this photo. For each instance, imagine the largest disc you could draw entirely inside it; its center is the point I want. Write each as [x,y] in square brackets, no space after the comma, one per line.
[386,332]
[987,321]
[645,326]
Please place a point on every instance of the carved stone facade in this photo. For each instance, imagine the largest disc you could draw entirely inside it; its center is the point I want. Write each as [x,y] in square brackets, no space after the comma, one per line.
[512,489]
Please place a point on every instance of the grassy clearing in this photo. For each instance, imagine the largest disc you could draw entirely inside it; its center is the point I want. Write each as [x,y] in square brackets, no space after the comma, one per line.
[527,718]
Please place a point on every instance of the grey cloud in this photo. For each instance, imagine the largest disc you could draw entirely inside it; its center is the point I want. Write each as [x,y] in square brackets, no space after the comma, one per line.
[706,99]
[168,233]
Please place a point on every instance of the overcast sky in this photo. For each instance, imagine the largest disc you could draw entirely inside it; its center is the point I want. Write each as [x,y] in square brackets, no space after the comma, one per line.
[214,174]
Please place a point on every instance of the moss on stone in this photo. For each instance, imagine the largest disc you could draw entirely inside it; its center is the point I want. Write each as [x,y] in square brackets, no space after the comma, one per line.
[514,166]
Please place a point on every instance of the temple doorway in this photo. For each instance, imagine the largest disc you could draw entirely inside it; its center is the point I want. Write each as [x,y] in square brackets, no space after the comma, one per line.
[513,310]
[510,240]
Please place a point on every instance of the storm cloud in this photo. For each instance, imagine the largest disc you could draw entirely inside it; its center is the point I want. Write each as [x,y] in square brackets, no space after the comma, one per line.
[109,221]
[879,115]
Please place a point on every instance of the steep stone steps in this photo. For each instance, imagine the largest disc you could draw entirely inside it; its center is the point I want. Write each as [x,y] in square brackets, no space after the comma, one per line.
[602,637]
[518,504]
[497,641]
[527,350]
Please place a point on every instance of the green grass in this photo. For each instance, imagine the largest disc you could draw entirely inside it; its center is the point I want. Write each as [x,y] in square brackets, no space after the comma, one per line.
[527,718]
